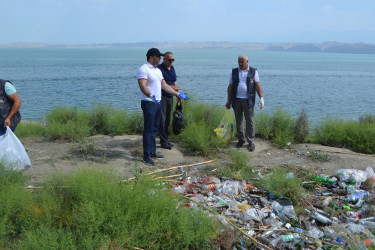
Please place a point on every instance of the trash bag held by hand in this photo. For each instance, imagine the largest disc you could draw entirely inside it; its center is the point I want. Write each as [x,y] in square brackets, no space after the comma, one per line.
[178,122]
[226,128]
[12,153]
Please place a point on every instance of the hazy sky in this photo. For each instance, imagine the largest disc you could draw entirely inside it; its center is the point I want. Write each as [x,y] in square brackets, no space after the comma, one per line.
[124,21]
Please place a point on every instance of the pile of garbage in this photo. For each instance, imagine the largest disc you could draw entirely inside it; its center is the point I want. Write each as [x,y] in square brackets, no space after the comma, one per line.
[338,213]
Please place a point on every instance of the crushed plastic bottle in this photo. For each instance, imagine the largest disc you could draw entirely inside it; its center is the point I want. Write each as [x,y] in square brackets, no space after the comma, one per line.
[294,237]
[359,194]
[284,210]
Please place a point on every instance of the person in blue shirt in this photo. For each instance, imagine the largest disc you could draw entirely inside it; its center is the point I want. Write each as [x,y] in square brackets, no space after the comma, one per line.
[10,104]
[169,75]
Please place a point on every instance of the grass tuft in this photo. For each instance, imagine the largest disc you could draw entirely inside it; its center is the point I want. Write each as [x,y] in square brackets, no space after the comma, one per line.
[281,184]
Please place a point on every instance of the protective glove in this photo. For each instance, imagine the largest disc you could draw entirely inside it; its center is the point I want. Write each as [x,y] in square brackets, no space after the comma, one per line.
[261,103]
[183,95]
[153,98]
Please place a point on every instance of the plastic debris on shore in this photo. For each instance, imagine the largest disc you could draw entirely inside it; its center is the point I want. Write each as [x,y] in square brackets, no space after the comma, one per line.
[339,213]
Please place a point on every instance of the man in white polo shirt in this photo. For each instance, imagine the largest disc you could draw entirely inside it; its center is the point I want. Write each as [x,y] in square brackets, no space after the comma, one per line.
[151,82]
[243,83]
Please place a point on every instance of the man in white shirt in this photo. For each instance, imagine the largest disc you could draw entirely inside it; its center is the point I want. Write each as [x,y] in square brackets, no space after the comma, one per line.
[243,83]
[151,82]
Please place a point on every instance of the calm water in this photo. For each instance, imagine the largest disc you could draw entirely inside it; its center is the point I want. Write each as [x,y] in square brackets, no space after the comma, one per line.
[338,85]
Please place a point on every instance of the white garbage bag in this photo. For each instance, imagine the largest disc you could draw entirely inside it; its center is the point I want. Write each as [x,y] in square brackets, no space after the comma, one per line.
[12,153]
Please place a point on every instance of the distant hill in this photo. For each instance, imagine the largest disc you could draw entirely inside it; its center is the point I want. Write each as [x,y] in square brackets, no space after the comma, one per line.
[324,47]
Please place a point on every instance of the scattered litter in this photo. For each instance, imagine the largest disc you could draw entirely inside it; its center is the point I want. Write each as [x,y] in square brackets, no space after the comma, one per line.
[339,211]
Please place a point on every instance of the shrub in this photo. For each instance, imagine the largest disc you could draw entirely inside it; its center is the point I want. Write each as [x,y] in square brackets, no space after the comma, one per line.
[302,127]
[198,136]
[358,136]
[92,209]
[67,123]
[281,184]
[280,127]
[239,159]
[29,129]
[14,200]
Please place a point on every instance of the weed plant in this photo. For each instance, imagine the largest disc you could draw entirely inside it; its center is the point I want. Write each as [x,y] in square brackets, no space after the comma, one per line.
[282,184]
[92,209]
[239,159]
[72,124]
[302,127]
[67,123]
[317,157]
[279,127]
[358,136]
[198,137]
[29,129]
[14,200]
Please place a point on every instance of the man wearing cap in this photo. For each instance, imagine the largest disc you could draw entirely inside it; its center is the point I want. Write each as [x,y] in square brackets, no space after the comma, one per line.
[243,84]
[10,104]
[151,82]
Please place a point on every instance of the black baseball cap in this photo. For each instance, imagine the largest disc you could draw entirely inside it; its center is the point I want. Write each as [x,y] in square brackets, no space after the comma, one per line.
[154,52]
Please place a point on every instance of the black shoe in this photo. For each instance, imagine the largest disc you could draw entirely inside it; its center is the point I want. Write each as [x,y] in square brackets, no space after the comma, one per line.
[170,144]
[148,161]
[166,146]
[239,144]
[157,156]
[251,147]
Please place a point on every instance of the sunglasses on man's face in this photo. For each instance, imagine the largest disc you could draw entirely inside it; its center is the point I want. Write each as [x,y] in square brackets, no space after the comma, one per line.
[171,60]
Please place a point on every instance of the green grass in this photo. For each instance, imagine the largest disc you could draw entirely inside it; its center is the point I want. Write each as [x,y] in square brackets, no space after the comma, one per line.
[92,209]
[199,137]
[72,124]
[280,184]
[358,136]
[278,127]
[239,159]
[27,129]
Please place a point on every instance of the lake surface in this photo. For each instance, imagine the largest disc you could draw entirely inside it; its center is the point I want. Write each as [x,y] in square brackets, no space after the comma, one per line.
[337,85]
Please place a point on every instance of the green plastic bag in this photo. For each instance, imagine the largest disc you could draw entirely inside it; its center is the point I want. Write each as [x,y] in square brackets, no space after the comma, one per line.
[226,129]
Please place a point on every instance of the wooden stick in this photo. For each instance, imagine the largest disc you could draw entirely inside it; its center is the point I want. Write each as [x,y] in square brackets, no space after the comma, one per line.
[170,176]
[171,168]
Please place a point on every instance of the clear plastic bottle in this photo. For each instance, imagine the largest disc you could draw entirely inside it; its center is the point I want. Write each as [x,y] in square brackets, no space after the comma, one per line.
[321,218]
[284,210]
[294,237]
[367,224]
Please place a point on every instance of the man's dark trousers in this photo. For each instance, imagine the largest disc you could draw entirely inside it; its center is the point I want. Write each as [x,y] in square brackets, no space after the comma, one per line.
[151,115]
[166,109]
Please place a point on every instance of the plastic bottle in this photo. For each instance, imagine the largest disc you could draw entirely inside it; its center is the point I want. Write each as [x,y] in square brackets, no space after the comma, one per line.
[359,194]
[325,194]
[323,179]
[209,187]
[294,237]
[326,201]
[321,218]
[367,224]
[369,242]
[221,201]
[284,210]
[339,191]
[308,186]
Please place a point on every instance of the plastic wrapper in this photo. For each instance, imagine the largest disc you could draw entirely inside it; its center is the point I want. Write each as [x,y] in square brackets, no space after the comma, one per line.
[253,214]
[226,128]
[358,175]
[12,153]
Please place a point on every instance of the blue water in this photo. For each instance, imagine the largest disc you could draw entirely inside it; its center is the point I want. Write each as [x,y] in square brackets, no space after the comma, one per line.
[338,85]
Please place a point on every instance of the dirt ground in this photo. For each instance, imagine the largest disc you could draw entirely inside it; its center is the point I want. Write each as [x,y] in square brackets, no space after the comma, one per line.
[123,154]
